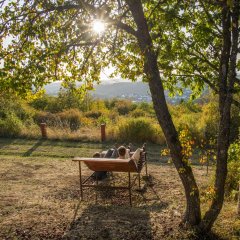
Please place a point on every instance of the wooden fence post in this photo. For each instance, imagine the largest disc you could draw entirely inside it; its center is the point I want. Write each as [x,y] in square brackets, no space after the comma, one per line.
[43,127]
[103,132]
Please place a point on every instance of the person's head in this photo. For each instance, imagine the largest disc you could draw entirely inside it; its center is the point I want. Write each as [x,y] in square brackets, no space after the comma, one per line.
[96,155]
[122,151]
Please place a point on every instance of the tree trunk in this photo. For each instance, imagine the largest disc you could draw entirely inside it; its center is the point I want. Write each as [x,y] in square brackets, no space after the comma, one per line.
[227,76]
[238,207]
[193,213]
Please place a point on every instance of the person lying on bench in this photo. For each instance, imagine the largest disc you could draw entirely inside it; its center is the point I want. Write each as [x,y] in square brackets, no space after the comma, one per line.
[124,153]
[111,153]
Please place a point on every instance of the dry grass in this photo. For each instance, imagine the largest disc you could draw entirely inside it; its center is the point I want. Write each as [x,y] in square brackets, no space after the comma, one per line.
[39,198]
[63,133]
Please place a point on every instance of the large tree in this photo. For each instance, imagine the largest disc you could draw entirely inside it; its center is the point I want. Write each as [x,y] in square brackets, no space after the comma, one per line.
[192,42]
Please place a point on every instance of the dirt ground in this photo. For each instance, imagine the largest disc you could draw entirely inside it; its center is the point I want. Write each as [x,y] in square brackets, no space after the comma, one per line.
[39,199]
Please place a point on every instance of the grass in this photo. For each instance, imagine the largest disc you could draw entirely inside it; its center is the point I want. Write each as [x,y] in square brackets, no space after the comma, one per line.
[39,197]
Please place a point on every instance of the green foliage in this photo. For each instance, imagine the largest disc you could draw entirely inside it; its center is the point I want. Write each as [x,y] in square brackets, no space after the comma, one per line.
[207,151]
[208,121]
[12,104]
[43,103]
[14,115]
[103,119]
[233,177]
[123,107]
[200,120]
[70,118]
[10,126]
[93,114]
[137,113]
[187,143]
[136,130]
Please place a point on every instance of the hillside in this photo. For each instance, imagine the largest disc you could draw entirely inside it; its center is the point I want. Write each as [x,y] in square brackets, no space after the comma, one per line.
[137,91]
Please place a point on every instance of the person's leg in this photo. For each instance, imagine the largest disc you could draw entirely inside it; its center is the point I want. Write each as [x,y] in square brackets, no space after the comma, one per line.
[127,155]
[108,153]
[136,155]
[115,153]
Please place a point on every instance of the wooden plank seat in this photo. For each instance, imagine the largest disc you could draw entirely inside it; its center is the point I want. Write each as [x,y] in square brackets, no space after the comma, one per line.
[112,165]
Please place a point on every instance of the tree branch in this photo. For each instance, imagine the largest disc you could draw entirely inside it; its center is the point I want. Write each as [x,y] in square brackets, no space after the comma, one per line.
[211,20]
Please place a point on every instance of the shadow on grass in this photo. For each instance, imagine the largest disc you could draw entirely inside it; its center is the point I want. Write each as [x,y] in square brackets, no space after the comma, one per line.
[111,222]
[5,142]
[33,148]
[111,217]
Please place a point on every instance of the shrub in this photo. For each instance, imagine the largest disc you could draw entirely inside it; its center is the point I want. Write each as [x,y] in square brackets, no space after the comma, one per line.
[87,121]
[50,118]
[71,118]
[147,108]
[42,103]
[93,114]
[233,176]
[13,105]
[136,130]
[103,119]
[207,123]
[124,107]
[138,113]
[10,126]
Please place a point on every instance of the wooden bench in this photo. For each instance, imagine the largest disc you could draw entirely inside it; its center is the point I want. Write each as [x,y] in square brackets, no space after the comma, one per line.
[112,165]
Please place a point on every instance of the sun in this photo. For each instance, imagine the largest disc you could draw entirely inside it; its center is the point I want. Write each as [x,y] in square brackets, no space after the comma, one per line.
[98,26]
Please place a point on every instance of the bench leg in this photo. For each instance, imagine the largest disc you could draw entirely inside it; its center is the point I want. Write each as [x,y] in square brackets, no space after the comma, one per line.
[96,191]
[129,188]
[80,180]
[146,168]
[139,181]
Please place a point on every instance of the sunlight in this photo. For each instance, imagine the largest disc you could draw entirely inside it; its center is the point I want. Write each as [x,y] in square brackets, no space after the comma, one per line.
[98,26]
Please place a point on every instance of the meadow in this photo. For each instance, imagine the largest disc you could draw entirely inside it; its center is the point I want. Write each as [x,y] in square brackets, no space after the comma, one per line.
[39,197]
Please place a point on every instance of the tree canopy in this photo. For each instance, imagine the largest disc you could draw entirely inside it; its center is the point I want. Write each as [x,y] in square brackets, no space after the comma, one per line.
[171,44]
[45,41]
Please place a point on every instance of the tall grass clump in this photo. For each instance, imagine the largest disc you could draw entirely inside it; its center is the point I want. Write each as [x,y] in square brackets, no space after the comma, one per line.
[71,118]
[136,130]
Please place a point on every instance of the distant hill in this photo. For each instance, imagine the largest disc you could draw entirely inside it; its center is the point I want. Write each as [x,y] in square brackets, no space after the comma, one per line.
[121,89]
[136,91]
[108,90]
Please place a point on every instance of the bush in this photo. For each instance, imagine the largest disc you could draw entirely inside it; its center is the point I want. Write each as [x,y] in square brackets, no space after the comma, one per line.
[13,105]
[138,113]
[10,126]
[124,107]
[50,118]
[233,176]
[42,103]
[207,123]
[93,114]
[71,118]
[136,130]
[147,108]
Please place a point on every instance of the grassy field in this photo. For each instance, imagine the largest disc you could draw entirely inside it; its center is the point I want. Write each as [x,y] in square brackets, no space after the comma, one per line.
[39,197]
